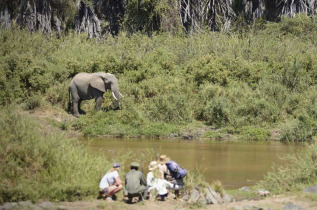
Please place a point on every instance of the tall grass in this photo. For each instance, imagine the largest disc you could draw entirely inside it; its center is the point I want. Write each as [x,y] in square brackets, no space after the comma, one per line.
[35,166]
[260,78]
[299,172]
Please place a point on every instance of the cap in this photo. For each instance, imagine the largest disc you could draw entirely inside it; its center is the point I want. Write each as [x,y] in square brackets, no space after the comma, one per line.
[116,165]
[135,164]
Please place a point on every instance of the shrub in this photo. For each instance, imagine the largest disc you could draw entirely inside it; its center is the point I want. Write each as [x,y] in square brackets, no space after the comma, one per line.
[253,133]
[299,172]
[297,130]
[264,77]
[33,167]
[33,102]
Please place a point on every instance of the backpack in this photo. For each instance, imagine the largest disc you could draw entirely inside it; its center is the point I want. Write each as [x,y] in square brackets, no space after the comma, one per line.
[176,170]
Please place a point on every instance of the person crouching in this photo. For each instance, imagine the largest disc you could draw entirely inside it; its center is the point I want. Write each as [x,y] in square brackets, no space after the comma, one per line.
[135,184]
[110,183]
[160,185]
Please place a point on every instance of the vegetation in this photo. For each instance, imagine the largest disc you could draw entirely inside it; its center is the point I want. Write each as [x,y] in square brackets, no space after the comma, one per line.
[33,166]
[255,83]
[299,172]
[245,83]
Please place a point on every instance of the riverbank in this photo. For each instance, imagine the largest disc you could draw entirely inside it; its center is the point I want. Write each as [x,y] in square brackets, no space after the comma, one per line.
[273,202]
[47,119]
[286,201]
[56,119]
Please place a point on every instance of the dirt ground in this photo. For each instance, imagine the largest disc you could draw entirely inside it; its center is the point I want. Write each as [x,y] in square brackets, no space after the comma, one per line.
[272,202]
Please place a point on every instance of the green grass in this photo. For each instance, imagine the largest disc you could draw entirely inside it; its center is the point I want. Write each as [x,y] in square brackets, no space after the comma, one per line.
[34,166]
[251,81]
[298,172]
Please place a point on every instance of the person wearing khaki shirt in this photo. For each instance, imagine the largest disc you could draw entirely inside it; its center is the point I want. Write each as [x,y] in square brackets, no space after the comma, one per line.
[135,181]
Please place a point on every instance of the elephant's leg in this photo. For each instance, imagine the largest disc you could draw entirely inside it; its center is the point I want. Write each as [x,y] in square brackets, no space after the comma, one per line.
[79,109]
[75,107]
[98,102]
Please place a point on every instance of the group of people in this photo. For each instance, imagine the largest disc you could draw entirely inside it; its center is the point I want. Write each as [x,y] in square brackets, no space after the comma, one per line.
[159,183]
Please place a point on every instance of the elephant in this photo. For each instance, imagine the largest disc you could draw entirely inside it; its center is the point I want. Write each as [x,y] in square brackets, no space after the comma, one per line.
[86,86]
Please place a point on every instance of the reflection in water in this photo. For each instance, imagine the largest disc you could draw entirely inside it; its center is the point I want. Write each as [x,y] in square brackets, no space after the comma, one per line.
[234,164]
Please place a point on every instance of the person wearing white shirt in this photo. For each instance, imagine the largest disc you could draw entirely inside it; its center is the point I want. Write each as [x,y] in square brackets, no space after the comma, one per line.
[150,176]
[110,183]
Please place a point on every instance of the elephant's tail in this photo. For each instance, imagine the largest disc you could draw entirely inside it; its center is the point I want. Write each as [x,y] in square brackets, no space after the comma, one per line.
[69,103]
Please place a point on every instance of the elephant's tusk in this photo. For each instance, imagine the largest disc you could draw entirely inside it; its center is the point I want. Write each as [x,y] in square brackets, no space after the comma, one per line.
[114,96]
[121,95]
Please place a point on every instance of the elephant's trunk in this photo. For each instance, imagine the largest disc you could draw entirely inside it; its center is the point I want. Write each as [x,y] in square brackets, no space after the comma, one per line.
[116,95]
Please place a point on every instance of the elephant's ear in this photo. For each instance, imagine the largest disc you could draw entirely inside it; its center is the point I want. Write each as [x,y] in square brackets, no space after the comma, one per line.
[98,83]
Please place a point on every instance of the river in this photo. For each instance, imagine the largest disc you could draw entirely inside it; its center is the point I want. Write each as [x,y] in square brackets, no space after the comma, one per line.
[234,164]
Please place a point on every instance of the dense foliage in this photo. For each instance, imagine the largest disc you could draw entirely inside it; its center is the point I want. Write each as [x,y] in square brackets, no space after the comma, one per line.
[257,81]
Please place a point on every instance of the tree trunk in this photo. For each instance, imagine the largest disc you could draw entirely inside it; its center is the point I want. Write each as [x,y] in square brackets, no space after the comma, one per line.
[38,15]
[5,17]
[87,21]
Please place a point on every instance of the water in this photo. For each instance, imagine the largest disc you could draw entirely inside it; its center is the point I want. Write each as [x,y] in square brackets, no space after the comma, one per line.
[234,164]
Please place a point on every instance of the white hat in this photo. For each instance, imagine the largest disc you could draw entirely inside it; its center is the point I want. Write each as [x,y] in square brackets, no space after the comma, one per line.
[153,165]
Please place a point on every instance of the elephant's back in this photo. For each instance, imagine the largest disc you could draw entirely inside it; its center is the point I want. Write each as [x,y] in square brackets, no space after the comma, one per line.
[80,78]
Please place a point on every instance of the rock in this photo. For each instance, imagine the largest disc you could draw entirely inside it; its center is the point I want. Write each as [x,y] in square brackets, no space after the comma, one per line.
[263,193]
[194,196]
[252,208]
[185,197]
[61,208]
[217,196]
[26,204]
[226,198]
[291,206]
[202,200]
[8,206]
[188,137]
[245,188]
[46,205]
[312,189]
[209,197]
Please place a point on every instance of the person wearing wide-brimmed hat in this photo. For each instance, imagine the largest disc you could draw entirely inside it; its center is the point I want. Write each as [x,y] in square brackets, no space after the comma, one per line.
[159,186]
[135,182]
[177,184]
[150,176]
[162,166]
[110,183]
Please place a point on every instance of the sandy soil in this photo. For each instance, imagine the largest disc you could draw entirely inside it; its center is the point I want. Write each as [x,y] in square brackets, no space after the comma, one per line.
[273,202]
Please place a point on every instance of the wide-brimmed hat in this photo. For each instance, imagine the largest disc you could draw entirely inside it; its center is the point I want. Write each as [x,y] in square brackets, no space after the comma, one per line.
[134,164]
[153,165]
[116,165]
[163,159]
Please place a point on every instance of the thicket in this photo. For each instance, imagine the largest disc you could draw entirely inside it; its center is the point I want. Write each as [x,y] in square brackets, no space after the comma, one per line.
[248,82]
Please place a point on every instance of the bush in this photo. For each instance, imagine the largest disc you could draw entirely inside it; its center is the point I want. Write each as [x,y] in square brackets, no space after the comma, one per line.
[297,130]
[253,133]
[299,172]
[33,102]
[262,78]
[33,167]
